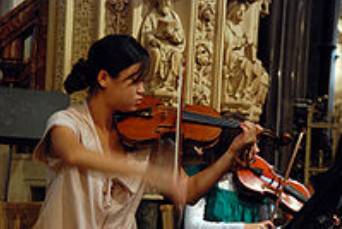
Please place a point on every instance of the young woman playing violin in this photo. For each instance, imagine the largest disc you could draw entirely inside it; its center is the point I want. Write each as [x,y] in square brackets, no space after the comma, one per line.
[94,182]
[223,206]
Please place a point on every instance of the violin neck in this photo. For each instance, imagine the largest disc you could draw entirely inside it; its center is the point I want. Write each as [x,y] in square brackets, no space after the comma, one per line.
[207,120]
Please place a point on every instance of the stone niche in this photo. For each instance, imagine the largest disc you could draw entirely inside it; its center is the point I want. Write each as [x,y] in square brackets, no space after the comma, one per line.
[213,44]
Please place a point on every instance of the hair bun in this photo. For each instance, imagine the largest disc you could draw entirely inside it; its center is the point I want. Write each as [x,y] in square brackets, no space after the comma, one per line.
[78,79]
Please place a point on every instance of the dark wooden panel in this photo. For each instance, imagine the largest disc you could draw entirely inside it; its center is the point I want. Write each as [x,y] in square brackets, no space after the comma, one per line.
[23,113]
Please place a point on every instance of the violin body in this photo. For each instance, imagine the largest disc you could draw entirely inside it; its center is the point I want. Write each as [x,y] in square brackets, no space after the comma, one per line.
[201,125]
[260,178]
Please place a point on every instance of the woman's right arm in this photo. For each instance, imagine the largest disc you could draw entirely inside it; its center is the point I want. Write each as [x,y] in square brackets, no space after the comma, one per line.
[65,145]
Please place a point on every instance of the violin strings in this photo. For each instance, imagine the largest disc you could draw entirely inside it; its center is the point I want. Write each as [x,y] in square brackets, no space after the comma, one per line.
[204,119]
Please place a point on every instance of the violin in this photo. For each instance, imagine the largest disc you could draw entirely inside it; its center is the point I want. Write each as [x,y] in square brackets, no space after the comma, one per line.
[259,177]
[201,125]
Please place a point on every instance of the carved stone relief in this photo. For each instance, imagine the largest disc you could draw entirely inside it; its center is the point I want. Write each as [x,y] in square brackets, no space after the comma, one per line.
[83,35]
[255,10]
[243,83]
[245,80]
[74,33]
[60,48]
[162,34]
[83,29]
[202,84]
[202,81]
[206,20]
[116,16]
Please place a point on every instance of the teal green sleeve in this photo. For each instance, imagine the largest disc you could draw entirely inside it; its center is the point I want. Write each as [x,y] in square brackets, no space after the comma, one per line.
[194,169]
[226,206]
[229,206]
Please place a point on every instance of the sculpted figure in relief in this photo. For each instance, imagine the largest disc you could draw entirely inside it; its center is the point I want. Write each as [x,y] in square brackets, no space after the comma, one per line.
[203,52]
[242,70]
[206,18]
[162,35]
[202,80]
[256,10]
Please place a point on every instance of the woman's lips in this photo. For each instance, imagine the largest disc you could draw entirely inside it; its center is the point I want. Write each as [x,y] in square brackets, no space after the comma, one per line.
[138,101]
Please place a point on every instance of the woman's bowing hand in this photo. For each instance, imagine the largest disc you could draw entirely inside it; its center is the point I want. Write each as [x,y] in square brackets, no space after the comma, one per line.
[261,225]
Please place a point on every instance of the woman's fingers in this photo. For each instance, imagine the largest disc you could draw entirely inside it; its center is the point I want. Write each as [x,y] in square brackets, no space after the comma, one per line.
[268,224]
[249,135]
[259,129]
[251,127]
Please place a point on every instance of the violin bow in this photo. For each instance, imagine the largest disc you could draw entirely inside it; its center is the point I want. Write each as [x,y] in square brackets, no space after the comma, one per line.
[287,174]
[178,140]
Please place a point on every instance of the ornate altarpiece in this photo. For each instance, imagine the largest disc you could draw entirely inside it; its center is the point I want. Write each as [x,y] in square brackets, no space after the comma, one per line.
[215,41]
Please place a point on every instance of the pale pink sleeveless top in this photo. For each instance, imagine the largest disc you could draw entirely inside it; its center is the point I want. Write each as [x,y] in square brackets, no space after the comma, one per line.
[84,198]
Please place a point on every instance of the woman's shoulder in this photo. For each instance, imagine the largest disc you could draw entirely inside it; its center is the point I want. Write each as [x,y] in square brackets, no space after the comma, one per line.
[75,117]
[74,111]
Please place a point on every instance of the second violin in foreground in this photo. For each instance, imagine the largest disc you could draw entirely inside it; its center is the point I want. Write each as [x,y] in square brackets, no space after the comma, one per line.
[259,177]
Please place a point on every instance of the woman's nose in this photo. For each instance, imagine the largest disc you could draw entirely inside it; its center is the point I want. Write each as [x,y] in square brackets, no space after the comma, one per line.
[256,149]
[141,88]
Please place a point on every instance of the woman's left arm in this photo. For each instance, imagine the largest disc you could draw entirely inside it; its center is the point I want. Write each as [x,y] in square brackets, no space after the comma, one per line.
[201,182]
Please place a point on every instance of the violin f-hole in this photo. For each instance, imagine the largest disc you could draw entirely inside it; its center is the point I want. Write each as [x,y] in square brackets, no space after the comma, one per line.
[158,129]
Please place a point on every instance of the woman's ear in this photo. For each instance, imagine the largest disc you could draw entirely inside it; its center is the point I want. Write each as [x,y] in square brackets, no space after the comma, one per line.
[102,77]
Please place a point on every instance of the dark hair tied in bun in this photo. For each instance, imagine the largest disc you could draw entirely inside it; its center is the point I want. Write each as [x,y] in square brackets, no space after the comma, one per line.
[79,78]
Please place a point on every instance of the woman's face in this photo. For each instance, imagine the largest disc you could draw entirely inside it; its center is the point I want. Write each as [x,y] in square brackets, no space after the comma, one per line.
[125,93]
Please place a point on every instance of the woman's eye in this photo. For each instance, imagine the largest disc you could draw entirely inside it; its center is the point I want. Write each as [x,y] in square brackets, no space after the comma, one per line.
[135,78]
[131,79]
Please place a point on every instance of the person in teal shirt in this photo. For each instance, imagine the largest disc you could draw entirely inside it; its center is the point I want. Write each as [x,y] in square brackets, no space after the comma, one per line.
[223,206]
